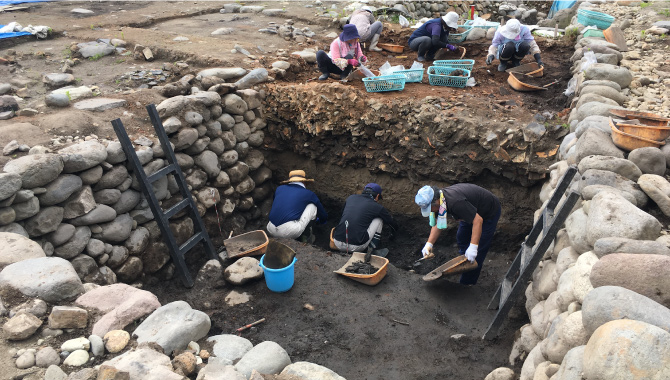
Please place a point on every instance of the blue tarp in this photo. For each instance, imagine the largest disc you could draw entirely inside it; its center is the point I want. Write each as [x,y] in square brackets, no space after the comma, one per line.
[14,2]
[560,4]
[13,34]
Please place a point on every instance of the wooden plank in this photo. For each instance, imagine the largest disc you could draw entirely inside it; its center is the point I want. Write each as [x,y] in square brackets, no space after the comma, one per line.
[615,35]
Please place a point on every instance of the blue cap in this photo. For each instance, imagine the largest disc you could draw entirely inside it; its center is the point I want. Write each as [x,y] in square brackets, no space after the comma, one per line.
[374,188]
[349,33]
[424,198]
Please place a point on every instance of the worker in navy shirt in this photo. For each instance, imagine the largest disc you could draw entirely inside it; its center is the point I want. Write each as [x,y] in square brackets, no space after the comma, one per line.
[294,207]
[432,36]
[477,211]
[363,218]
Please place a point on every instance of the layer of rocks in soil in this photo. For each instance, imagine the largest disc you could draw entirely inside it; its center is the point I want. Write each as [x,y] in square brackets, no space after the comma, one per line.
[599,301]
[122,332]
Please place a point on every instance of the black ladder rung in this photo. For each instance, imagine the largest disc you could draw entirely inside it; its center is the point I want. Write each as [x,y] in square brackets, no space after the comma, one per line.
[176,208]
[190,243]
[161,173]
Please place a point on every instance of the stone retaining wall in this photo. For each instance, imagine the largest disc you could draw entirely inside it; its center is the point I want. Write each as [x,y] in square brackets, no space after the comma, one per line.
[598,302]
[83,203]
[527,12]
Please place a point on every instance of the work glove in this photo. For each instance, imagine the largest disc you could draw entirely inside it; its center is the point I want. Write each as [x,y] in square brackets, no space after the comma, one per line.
[489,59]
[538,59]
[349,56]
[452,47]
[471,252]
[364,59]
[353,62]
[427,250]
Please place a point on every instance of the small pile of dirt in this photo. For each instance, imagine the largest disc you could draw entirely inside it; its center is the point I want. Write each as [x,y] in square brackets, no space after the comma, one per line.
[457,73]
[361,267]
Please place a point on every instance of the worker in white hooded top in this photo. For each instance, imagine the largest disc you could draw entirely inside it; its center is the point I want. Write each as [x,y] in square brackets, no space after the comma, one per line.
[369,29]
[511,43]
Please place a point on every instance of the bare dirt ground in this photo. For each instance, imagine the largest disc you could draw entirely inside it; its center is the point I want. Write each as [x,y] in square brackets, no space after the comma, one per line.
[354,329]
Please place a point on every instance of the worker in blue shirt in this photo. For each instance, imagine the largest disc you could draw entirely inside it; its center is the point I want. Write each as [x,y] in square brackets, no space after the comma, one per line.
[432,36]
[293,208]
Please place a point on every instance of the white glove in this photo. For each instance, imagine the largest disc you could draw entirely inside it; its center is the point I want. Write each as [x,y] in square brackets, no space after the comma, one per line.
[427,250]
[471,252]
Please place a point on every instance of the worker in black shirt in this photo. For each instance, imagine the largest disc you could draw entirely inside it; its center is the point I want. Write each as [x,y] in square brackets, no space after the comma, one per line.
[476,210]
[363,218]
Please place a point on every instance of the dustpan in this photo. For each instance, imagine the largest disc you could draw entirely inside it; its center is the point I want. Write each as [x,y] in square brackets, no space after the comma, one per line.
[457,265]
[278,255]
[367,279]
[532,69]
[518,85]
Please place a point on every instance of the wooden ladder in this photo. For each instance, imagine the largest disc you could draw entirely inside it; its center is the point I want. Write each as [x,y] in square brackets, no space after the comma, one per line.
[162,217]
[525,262]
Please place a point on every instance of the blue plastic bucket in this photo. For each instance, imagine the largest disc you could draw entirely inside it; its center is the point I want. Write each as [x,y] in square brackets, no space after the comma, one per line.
[279,280]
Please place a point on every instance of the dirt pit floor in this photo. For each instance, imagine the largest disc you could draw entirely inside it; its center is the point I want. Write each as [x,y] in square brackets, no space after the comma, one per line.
[402,328]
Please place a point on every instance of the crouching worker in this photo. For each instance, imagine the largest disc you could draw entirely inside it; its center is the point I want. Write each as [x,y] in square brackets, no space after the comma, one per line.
[293,208]
[432,36]
[363,218]
[369,29]
[345,54]
[477,212]
[511,43]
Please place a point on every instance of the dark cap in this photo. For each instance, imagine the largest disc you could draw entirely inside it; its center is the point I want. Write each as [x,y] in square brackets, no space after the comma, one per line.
[374,188]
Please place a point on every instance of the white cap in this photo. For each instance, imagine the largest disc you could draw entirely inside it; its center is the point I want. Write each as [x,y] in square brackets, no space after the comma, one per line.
[451,19]
[366,8]
[511,29]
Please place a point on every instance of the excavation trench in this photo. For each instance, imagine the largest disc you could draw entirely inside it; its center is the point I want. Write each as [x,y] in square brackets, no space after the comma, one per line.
[403,327]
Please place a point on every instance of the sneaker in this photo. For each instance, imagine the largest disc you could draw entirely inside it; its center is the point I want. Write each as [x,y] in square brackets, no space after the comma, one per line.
[324,76]
[421,59]
[502,66]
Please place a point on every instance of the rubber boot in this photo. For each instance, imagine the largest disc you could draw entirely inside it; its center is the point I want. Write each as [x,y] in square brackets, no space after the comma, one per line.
[324,76]
[515,62]
[346,72]
[502,66]
[373,43]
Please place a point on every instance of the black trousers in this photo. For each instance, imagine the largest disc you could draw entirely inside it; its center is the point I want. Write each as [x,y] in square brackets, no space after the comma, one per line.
[326,65]
[510,51]
[424,47]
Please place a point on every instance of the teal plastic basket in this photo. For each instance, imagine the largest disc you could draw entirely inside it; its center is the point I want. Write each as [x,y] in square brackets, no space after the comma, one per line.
[459,37]
[597,19]
[382,83]
[439,76]
[488,24]
[411,76]
[466,64]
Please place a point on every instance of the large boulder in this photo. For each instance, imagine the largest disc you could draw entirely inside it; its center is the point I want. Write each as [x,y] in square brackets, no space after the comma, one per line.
[565,334]
[612,215]
[621,166]
[82,156]
[572,365]
[658,189]
[144,364]
[21,326]
[118,230]
[60,189]
[626,349]
[266,357]
[223,73]
[605,91]
[311,371]
[596,142]
[120,305]
[243,270]
[603,177]
[45,221]
[16,248]
[576,227]
[75,245]
[230,347]
[648,275]
[36,169]
[650,160]
[608,245]
[10,183]
[574,284]
[219,369]
[173,326]
[602,71]
[593,108]
[51,279]
[609,303]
